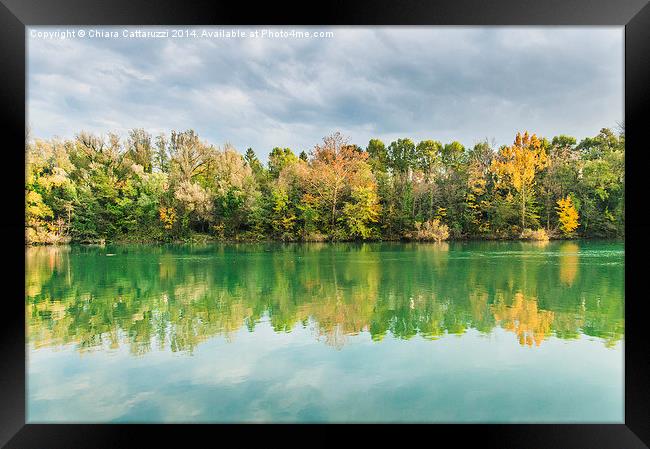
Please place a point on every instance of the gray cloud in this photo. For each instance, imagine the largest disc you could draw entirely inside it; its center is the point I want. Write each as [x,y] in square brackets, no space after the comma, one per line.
[443,83]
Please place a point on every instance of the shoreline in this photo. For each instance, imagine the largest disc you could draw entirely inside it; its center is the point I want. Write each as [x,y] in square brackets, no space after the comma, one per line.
[269,241]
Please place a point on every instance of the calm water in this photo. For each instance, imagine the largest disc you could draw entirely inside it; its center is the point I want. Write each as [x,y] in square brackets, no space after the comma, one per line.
[452,332]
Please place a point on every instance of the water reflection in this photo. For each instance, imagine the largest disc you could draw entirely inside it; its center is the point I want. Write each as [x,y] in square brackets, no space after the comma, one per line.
[569,260]
[175,297]
[524,318]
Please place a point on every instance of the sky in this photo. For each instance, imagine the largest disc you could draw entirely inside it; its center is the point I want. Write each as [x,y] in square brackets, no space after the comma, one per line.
[443,83]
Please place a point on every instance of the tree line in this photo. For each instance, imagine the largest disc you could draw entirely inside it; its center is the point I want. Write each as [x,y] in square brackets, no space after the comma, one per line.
[177,187]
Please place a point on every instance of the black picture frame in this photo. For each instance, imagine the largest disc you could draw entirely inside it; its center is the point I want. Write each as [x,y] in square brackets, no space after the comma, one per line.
[15,15]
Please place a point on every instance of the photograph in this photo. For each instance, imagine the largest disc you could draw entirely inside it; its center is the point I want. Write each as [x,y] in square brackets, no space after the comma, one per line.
[325,224]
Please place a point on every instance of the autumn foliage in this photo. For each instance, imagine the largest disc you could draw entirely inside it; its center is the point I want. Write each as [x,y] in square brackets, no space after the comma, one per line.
[567,215]
[178,187]
[516,166]
[432,230]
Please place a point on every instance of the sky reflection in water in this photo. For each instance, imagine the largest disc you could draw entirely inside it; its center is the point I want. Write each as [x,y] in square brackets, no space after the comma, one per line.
[523,332]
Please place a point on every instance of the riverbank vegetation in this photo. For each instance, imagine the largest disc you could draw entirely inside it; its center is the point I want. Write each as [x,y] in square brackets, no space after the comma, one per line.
[177,187]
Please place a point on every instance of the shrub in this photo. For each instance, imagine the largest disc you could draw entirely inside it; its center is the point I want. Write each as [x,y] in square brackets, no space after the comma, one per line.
[432,230]
[314,237]
[42,235]
[538,234]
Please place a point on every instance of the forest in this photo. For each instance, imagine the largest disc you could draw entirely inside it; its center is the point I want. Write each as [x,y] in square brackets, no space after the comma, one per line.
[178,188]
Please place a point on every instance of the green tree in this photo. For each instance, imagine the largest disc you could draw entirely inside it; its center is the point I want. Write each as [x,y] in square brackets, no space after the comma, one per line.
[362,211]
[279,159]
[402,156]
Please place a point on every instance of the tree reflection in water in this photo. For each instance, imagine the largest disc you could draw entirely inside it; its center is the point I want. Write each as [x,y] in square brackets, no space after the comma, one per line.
[174,297]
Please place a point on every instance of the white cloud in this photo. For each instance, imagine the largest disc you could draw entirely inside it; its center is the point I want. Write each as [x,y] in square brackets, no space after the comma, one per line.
[420,82]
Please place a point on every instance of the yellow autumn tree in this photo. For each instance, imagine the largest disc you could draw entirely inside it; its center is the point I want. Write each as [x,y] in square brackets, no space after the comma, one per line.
[167,217]
[567,215]
[516,166]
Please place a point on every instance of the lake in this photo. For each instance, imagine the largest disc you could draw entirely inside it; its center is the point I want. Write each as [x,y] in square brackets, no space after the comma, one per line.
[381,332]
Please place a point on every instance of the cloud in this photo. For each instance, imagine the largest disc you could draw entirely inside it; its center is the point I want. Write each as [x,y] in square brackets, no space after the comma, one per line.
[443,83]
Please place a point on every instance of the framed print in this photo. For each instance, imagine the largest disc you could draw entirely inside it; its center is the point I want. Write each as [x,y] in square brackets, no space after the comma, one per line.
[384,213]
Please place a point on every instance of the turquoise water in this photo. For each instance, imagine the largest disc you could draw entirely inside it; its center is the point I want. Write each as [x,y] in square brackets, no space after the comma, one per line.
[451,332]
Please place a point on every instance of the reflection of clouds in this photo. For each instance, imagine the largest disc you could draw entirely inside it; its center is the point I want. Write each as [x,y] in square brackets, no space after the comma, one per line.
[268,376]
[58,395]
[275,312]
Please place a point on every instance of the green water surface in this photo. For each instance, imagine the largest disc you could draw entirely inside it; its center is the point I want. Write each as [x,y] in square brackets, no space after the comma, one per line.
[390,332]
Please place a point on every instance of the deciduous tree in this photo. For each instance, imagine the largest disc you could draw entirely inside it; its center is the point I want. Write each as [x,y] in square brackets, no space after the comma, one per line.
[516,166]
